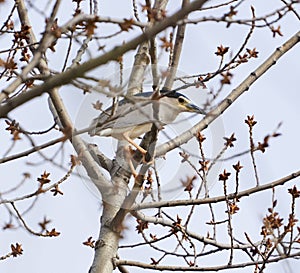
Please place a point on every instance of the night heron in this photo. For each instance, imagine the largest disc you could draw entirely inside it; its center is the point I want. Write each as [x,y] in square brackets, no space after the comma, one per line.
[135,115]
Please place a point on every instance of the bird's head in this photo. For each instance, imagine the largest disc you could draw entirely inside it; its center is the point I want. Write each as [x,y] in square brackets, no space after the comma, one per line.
[180,102]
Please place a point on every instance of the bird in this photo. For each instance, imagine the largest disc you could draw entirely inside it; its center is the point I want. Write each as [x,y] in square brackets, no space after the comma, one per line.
[135,115]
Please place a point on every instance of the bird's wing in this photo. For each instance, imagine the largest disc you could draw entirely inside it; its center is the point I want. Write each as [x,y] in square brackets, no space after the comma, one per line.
[127,115]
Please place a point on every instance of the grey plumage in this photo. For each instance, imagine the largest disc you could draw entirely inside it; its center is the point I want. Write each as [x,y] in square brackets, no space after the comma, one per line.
[135,116]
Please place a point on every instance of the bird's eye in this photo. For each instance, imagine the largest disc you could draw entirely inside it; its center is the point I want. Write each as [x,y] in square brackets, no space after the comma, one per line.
[181,100]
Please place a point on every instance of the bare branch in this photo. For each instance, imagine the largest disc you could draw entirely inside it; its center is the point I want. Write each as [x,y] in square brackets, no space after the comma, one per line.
[67,76]
[238,91]
[172,70]
[247,192]
[201,269]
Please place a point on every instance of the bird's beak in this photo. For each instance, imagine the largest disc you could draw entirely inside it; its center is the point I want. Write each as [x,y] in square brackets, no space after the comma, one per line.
[194,108]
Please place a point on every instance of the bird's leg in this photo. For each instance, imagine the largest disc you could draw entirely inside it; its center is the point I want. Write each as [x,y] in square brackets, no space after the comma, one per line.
[138,147]
[127,138]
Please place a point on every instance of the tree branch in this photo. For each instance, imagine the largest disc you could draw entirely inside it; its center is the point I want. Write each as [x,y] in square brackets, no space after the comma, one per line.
[69,75]
[177,52]
[218,199]
[186,232]
[234,95]
[201,269]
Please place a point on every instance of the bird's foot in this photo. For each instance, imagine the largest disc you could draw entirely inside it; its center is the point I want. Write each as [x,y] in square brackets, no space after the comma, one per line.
[146,157]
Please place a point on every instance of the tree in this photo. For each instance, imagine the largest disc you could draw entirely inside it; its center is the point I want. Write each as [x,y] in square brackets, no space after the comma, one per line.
[54,62]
